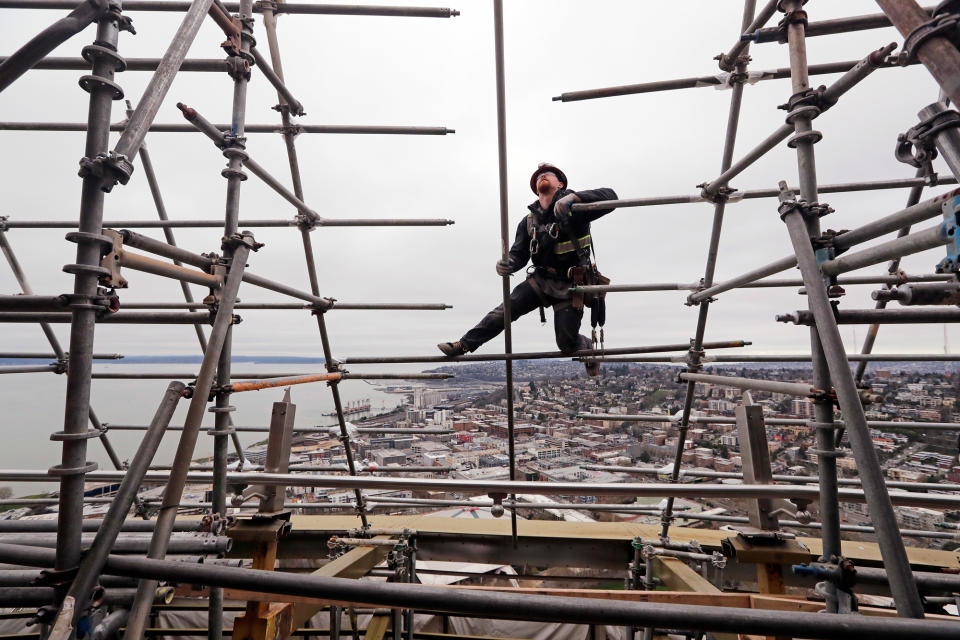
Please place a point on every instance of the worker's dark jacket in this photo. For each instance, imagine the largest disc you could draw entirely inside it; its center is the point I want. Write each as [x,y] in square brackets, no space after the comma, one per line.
[549,243]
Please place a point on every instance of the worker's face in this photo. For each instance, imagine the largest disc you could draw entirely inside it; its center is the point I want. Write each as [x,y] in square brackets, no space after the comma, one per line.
[547,182]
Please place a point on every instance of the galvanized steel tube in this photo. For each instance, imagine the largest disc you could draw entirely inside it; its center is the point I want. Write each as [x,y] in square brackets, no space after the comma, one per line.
[902,584]
[544,608]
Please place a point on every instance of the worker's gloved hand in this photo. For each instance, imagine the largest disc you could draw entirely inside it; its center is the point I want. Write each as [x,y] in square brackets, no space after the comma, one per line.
[503,267]
[561,208]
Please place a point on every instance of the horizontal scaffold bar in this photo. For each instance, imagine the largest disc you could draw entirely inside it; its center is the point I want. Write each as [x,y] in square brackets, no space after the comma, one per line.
[189,375]
[773,386]
[714,80]
[515,606]
[335,305]
[829,27]
[879,316]
[791,357]
[53,63]
[39,368]
[879,424]
[894,222]
[753,194]
[329,468]
[656,490]
[162,127]
[255,429]
[52,356]
[281,7]
[900,278]
[247,224]
[705,473]
[543,355]
[121,317]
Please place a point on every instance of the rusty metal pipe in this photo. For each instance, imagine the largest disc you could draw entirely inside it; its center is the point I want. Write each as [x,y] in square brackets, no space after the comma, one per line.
[938,54]
[238,387]
[158,267]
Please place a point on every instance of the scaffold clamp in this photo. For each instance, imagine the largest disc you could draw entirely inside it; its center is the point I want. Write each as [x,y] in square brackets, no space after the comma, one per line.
[917,146]
[797,16]
[715,195]
[944,23]
[111,168]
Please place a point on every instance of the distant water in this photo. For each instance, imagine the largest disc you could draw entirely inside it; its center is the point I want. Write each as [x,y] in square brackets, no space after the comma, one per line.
[33,405]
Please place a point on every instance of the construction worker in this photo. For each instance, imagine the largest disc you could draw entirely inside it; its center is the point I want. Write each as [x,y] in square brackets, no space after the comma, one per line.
[556,240]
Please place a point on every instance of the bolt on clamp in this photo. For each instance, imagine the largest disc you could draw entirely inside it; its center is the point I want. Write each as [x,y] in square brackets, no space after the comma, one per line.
[715,194]
[797,16]
[917,146]
[111,168]
[728,64]
[245,238]
[306,222]
[237,67]
[945,23]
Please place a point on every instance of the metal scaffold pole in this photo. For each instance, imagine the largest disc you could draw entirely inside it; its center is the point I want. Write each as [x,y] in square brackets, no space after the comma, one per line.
[829,358]
[803,140]
[103,91]
[80,557]
[720,203]
[505,240]
[239,32]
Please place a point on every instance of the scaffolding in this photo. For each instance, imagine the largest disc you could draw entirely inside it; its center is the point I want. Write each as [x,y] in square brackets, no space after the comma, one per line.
[85,574]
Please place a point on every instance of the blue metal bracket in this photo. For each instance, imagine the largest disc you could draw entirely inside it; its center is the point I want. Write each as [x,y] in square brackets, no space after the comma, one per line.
[950,231]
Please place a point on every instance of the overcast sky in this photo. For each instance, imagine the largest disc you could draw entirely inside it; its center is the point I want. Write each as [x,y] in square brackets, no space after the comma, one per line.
[440,72]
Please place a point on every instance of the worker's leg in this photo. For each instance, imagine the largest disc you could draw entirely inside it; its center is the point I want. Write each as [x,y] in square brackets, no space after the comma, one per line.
[523,299]
[566,324]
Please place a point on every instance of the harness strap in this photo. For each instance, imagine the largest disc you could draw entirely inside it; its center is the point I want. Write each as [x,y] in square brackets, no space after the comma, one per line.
[532,280]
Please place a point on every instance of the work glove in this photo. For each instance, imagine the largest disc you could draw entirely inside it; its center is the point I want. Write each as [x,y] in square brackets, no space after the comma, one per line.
[561,210]
[503,267]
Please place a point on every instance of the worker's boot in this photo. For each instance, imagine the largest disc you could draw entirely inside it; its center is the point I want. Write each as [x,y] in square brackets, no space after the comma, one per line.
[452,348]
[593,367]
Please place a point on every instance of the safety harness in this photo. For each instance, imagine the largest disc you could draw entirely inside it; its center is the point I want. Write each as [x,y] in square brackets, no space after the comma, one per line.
[581,275]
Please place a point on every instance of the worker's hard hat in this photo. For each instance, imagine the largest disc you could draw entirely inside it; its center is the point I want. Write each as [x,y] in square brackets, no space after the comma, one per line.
[546,167]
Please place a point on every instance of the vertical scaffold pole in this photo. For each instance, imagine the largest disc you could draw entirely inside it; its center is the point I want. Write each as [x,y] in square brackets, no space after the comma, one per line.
[235,154]
[902,583]
[73,466]
[828,352]
[823,407]
[505,240]
[720,202]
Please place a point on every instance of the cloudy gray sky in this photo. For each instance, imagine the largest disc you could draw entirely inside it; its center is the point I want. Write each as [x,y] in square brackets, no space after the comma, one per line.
[440,72]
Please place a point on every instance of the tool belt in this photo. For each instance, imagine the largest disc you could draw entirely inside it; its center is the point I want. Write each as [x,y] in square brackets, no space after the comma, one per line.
[587,276]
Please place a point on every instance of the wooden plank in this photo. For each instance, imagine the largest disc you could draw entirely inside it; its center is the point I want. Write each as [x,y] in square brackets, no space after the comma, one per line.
[675,575]
[354,564]
[626,531]
[377,627]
